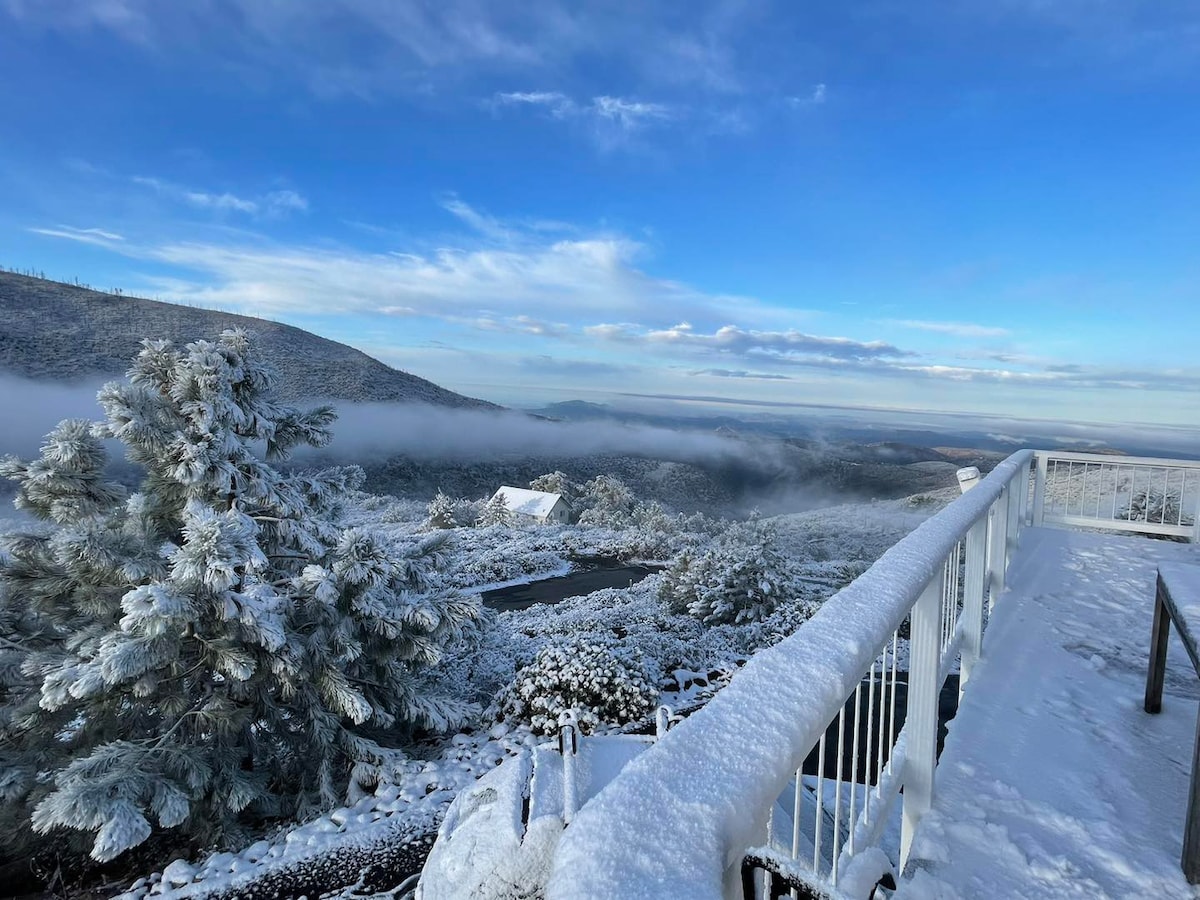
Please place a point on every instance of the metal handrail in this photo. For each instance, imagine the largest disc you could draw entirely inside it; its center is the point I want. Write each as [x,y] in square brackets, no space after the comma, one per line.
[717,789]
[706,791]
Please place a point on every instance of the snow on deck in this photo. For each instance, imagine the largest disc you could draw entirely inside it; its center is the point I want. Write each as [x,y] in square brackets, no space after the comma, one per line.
[1054,782]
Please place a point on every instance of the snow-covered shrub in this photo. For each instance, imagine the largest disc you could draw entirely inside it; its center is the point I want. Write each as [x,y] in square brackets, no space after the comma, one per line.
[214,650]
[441,512]
[740,578]
[598,679]
[468,512]
[1154,505]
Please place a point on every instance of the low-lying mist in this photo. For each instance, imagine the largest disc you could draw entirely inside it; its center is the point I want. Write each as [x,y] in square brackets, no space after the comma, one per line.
[30,409]
[414,450]
[364,432]
[369,431]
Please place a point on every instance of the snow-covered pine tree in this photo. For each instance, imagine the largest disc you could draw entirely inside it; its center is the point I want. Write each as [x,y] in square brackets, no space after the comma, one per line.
[440,513]
[606,501]
[496,512]
[213,651]
[741,577]
[557,482]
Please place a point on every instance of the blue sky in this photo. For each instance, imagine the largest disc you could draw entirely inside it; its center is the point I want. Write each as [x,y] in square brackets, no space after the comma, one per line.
[984,207]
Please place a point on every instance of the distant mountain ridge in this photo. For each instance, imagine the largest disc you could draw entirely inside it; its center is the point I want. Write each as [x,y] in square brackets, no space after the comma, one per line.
[60,332]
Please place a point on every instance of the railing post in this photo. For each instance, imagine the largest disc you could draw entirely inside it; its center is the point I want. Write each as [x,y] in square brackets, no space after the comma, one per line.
[973,587]
[997,551]
[568,745]
[1026,469]
[920,725]
[1013,521]
[1039,490]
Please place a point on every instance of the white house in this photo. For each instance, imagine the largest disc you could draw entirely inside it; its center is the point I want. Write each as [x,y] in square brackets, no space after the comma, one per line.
[536,505]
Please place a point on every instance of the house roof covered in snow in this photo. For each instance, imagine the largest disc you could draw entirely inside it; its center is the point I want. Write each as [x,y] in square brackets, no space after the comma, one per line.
[528,503]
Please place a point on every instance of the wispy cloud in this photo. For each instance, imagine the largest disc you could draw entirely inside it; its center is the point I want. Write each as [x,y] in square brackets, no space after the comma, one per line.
[629,113]
[732,340]
[480,222]
[955,329]
[555,103]
[413,43]
[506,273]
[95,236]
[815,97]
[520,325]
[742,373]
[607,119]
[272,203]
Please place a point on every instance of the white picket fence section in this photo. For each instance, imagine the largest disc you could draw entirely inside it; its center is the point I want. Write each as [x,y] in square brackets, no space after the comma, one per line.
[727,783]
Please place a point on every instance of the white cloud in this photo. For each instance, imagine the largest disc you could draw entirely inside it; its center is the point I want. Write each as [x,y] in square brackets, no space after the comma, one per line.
[273,203]
[95,236]
[521,325]
[741,373]
[588,291]
[219,201]
[558,105]
[628,113]
[784,347]
[955,329]
[486,225]
[815,97]
[607,118]
[286,201]
[594,275]
[512,273]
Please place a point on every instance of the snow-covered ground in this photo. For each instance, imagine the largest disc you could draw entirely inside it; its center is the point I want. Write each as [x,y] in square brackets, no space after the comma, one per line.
[1054,782]
[829,546]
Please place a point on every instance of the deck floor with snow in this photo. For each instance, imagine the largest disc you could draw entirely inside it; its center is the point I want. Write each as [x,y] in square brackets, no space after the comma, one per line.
[1054,782]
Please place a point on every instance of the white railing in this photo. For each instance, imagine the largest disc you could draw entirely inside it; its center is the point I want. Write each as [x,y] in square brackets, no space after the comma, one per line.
[729,782]
[1118,493]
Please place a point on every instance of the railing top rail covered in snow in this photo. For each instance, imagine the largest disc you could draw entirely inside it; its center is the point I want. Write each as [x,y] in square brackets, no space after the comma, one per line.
[678,821]
[1117,459]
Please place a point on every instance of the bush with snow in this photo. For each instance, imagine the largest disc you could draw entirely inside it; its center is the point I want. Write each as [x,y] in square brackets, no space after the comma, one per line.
[212,651]
[440,513]
[599,680]
[740,578]
[1156,506]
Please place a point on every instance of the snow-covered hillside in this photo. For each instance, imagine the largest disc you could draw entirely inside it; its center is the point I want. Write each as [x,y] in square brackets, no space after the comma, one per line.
[65,333]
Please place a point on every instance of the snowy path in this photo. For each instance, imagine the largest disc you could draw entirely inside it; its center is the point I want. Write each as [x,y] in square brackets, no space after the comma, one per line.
[1054,782]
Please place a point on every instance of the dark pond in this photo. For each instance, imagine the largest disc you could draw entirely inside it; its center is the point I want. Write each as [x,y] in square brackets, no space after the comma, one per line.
[552,590]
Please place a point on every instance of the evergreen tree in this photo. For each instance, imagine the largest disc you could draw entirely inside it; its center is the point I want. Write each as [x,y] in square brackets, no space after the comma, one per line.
[557,482]
[607,501]
[739,578]
[496,512]
[440,513]
[213,650]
